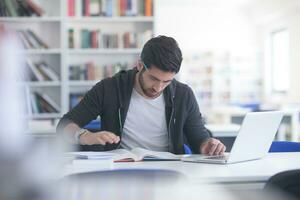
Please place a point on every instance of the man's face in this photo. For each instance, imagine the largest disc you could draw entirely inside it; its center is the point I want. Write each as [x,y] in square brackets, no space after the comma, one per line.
[153,81]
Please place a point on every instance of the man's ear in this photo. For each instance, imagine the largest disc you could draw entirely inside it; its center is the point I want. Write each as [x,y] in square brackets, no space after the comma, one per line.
[139,65]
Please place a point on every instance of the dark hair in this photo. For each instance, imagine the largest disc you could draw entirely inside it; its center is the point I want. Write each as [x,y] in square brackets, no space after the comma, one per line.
[163,52]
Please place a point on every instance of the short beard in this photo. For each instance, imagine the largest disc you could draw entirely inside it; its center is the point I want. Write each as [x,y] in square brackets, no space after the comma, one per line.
[141,82]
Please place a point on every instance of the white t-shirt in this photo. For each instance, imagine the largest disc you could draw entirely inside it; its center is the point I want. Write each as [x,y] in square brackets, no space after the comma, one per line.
[145,125]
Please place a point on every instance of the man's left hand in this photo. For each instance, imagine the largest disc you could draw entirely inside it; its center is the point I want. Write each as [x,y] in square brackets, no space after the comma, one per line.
[212,146]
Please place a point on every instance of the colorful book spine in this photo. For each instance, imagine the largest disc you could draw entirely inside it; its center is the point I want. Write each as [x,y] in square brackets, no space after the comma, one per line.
[71,8]
[148,8]
[71,38]
[36,8]
[86,7]
[95,8]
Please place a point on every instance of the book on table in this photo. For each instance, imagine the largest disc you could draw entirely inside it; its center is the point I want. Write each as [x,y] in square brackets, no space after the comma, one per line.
[123,155]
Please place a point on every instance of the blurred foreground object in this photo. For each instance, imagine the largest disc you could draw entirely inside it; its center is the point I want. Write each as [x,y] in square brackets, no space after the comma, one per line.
[287,182]
[25,167]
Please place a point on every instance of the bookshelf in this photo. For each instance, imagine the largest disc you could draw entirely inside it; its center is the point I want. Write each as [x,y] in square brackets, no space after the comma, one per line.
[221,79]
[53,28]
[102,55]
[30,19]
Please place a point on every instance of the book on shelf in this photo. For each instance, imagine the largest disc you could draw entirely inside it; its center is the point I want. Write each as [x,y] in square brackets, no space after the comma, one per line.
[71,7]
[110,8]
[110,70]
[35,8]
[42,103]
[48,72]
[37,39]
[30,40]
[123,155]
[11,8]
[94,39]
[20,8]
[34,106]
[71,38]
[148,8]
[28,109]
[89,71]
[33,72]
[136,40]
[94,8]
[75,98]
[40,71]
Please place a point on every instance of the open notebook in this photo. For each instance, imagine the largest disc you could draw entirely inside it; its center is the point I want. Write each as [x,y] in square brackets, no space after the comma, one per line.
[123,155]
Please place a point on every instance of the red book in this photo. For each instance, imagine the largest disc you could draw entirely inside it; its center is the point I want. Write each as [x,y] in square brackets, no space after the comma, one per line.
[87,8]
[126,40]
[94,39]
[90,71]
[123,7]
[71,8]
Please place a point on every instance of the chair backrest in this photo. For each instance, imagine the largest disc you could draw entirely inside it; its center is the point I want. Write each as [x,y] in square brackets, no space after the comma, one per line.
[287,182]
[94,125]
[284,146]
[187,149]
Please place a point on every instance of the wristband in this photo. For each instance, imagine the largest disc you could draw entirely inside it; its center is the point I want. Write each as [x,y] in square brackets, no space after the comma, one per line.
[78,134]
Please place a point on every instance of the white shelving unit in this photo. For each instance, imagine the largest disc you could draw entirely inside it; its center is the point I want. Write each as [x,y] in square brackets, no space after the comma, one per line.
[42,51]
[43,83]
[48,28]
[30,19]
[104,51]
[109,19]
[53,29]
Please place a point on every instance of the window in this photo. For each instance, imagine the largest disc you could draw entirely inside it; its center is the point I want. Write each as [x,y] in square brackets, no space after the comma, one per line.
[280,61]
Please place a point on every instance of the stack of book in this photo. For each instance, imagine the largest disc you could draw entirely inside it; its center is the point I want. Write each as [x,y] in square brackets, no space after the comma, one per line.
[75,98]
[42,103]
[88,71]
[30,40]
[40,71]
[110,8]
[96,39]
[23,8]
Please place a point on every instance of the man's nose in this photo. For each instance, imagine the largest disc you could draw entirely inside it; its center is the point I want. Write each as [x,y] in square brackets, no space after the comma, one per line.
[158,86]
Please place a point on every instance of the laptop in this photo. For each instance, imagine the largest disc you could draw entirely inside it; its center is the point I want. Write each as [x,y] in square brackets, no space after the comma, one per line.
[252,142]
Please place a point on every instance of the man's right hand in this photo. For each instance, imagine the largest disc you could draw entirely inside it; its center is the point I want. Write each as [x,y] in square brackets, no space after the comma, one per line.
[101,137]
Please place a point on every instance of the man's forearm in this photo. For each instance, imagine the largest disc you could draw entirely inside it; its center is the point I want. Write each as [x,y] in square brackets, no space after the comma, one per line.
[68,129]
[72,133]
[69,132]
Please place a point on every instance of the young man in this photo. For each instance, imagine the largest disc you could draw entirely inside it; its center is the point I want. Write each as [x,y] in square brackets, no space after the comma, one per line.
[143,107]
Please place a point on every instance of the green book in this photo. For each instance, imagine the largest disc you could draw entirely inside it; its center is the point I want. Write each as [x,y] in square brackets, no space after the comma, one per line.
[71,38]
[85,39]
[12,10]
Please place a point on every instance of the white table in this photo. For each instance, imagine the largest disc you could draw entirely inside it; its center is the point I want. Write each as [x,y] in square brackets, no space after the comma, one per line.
[245,175]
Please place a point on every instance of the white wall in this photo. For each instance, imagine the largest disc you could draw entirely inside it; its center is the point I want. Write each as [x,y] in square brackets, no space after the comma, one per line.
[205,25]
[294,93]
[290,20]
